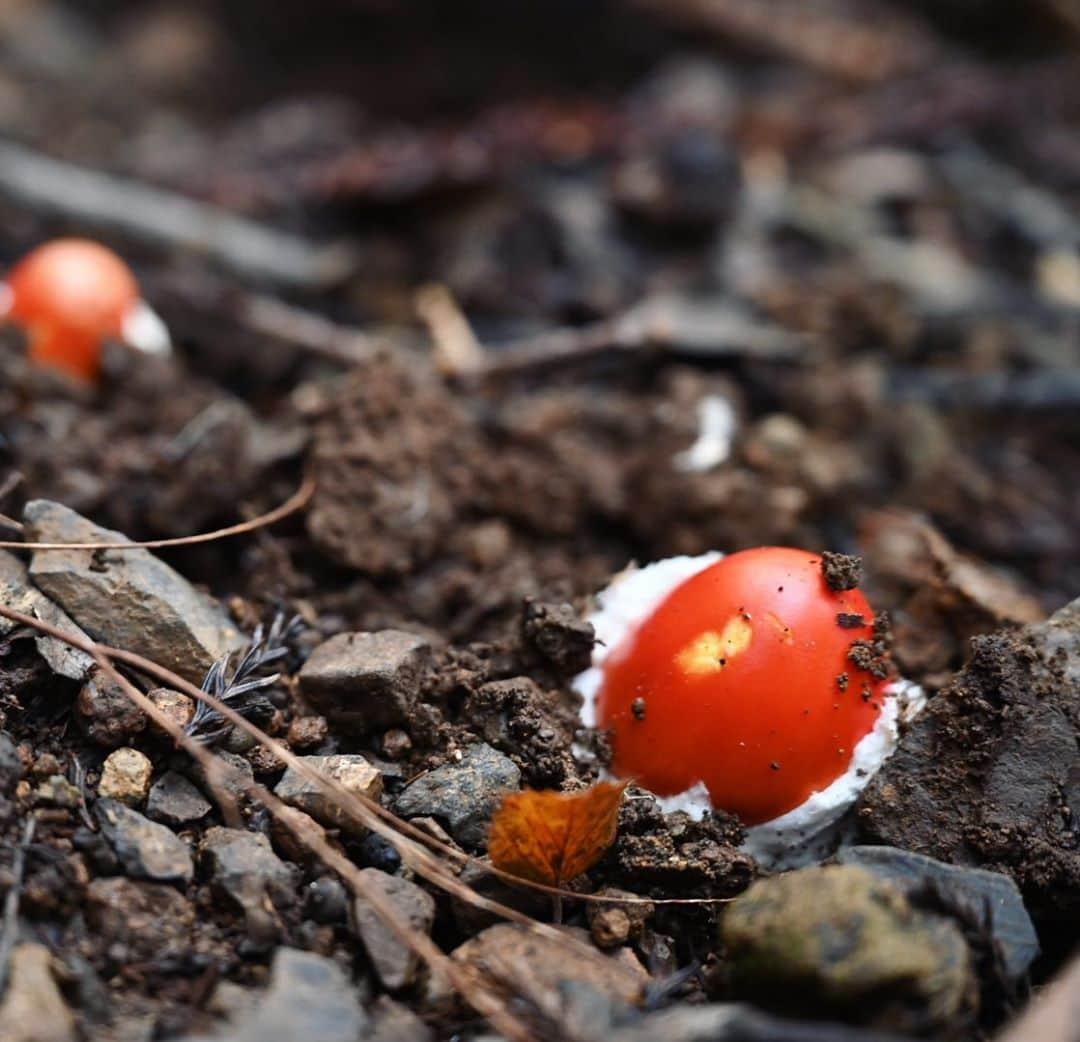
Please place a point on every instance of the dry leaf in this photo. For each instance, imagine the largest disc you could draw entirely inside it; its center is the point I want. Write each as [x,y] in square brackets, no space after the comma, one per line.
[552,837]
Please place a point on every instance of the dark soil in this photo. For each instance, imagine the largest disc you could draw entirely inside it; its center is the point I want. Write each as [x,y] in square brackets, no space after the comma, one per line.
[902,372]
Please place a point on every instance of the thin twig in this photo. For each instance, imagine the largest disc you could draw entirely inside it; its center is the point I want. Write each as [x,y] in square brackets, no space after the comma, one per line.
[11,901]
[42,183]
[297,501]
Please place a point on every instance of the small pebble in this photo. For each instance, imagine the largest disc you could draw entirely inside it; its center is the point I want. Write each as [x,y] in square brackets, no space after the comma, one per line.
[176,706]
[125,777]
[307,732]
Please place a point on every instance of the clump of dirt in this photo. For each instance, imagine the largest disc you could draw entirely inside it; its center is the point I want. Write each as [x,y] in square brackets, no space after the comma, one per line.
[987,774]
[841,571]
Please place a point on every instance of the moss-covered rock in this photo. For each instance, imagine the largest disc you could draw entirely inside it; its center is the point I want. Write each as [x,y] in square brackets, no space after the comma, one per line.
[837,942]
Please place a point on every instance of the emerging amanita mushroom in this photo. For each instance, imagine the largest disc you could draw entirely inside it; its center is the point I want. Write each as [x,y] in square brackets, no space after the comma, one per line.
[72,294]
[745,683]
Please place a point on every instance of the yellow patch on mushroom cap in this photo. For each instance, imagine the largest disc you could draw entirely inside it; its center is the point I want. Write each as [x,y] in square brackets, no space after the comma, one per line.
[710,652]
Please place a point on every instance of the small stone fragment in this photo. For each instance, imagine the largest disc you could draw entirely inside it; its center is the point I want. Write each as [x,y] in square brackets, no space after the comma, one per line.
[150,920]
[393,961]
[612,925]
[33,1009]
[353,772]
[128,599]
[105,713]
[17,592]
[366,681]
[125,776]
[146,850]
[264,761]
[243,869]
[309,997]
[840,943]
[175,801]
[564,639]
[307,732]
[462,794]
[232,784]
[175,705]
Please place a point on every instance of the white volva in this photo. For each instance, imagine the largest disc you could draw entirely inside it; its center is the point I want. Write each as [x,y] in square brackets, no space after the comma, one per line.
[801,835]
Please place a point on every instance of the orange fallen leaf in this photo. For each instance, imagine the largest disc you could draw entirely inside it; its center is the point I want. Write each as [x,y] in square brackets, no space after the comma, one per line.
[552,837]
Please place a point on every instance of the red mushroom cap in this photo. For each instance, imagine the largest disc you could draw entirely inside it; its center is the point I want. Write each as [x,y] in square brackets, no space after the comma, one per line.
[69,295]
[741,679]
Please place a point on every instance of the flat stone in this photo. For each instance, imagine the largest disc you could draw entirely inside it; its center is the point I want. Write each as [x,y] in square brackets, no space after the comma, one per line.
[145,849]
[308,997]
[991,898]
[352,772]
[105,713]
[150,920]
[17,592]
[129,599]
[366,681]
[463,794]
[841,943]
[33,1009]
[125,776]
[175,801]
[393,961]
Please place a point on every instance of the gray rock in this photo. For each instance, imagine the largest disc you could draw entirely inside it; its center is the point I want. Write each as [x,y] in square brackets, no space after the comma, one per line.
[146,850]
[175,801]
[11,765]
[33,1009]
[105,713]
[365,681]
[230,784]
[17,592]
[840,943]
[394,962]
[308,997]
[560,635]
[129,599]
[150,920]
[243,868]
[991,897]
[462,795]
[354,773]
